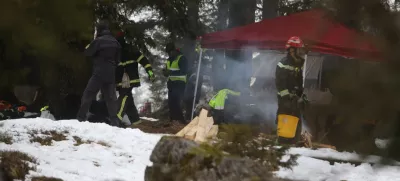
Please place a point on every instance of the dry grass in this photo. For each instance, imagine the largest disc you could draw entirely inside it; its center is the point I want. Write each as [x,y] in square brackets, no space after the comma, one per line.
[15,164]
[5,138]
[96,164]
[46,179]
[102,143]
[163,127]
[79,141]
[47,140]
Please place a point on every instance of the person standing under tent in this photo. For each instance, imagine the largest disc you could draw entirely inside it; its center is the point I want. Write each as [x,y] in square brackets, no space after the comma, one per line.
[289,83]
[105,52]
[176,70]
[127,78]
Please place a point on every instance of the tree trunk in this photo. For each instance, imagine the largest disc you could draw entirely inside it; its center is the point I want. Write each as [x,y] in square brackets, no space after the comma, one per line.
[218,61]
[241,12]
[270,9]
[193,30]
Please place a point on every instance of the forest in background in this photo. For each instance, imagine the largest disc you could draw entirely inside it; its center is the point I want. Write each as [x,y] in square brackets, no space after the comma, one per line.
[41,44]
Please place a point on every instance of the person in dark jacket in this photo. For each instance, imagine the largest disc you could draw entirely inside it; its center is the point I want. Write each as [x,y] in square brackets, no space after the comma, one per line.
[189,92]
[289,83]
[176,71]
[105,52]
[129,65]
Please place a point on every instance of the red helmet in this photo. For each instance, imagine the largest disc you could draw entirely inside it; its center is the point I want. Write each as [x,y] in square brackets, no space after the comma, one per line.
[294,41]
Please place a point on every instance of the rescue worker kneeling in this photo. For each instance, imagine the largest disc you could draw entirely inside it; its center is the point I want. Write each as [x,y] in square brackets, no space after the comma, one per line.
[223,105]
[289,83]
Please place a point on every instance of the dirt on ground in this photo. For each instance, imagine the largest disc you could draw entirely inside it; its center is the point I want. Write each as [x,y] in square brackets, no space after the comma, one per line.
[160,127]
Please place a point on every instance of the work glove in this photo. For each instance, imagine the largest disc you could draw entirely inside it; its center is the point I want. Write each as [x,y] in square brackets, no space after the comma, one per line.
[151,76]
[298,91]
[293,95]
[303,99]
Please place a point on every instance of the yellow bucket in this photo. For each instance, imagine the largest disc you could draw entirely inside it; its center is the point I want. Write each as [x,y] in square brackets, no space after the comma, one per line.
[287,125]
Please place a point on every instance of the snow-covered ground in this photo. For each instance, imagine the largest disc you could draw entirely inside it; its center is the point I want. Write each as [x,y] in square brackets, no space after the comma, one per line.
[125,158]
[123,154]
[309,168]
[318,170]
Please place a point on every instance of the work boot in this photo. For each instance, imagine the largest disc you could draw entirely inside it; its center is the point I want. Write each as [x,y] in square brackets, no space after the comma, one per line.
[136,122]
[116,123]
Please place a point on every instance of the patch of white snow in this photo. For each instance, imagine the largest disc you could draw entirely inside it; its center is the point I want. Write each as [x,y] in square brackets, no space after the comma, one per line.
[382,143]
[125,158]
[318,170]
[148,119]
[333,154]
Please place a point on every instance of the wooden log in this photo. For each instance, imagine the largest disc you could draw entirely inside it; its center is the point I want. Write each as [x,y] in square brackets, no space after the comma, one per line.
[213,132]
[203,128]
[307,138]
[319,145]
[188,127]
[191,134]
[315,145]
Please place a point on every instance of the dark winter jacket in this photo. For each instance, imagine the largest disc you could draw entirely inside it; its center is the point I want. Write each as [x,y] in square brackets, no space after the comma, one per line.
[289,83]
[130,61]
[289,77]
[184,68]
[105,52]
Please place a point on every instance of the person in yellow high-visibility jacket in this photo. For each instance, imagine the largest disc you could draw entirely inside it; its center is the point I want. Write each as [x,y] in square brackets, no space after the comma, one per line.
[218,105]
[176,71]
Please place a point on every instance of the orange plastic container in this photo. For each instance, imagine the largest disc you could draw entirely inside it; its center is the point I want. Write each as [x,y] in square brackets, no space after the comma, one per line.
[287,125]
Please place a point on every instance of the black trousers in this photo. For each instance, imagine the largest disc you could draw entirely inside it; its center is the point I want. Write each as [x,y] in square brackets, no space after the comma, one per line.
[218,116]
[127,105]
[175,96]
[108,90]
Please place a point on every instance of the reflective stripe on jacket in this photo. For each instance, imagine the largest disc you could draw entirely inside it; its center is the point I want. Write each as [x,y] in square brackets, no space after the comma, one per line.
[175,73]
[130,64]
[289,77]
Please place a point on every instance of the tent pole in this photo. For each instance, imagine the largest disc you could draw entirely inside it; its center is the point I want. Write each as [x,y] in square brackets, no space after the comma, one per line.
[304,70]
[197,81]
[320,73]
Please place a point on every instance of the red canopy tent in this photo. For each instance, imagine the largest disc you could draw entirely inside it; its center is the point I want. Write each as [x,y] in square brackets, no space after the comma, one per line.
[322,34]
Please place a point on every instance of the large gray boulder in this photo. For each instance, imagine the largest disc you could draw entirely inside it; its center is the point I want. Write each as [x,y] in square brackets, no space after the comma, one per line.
[179,159]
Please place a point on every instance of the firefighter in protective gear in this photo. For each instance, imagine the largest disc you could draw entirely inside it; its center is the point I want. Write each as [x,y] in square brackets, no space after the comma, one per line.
[127,78]
[289,83]
[176,71]
[105,52]
[219,105]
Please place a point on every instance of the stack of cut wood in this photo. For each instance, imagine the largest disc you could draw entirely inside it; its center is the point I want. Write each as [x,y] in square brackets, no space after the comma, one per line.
[200,128]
